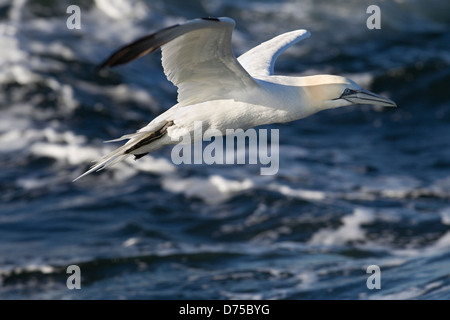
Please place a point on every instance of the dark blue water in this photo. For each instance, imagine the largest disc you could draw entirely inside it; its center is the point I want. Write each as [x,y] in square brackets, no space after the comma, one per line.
[357,186]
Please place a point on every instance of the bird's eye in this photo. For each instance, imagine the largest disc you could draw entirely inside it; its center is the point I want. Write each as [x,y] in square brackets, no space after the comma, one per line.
[346,92]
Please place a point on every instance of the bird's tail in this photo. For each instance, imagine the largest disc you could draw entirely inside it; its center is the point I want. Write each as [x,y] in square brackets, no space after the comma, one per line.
[118,154]
[137,145]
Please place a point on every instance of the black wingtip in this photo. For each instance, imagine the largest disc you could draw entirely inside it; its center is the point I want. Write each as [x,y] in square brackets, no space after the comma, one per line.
[98,68]
[117,58]
[133,50]
[102,67]
[110,62]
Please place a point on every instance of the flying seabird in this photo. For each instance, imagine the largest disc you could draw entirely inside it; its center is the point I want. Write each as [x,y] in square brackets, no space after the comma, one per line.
[224,92]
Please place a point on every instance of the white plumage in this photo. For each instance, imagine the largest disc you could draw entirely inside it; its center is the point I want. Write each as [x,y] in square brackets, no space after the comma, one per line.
[224,92]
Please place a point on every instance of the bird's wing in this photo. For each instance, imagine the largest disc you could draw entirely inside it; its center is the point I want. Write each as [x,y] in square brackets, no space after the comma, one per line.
[196,56]
[260,60]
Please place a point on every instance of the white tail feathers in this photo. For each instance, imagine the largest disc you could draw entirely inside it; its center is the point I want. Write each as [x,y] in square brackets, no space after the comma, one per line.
[139,144]
[119,154]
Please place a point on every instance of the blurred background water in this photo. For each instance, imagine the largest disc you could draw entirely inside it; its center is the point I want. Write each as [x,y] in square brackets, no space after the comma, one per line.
[357,186]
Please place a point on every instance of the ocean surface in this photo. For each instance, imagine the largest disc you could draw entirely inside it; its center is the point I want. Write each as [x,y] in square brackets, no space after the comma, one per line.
[356,187]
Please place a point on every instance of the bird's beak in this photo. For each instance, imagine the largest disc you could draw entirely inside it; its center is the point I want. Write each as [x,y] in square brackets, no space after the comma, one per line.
[366,97]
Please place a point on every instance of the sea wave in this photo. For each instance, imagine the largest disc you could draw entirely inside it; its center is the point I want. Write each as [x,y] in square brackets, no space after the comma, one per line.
[356,186]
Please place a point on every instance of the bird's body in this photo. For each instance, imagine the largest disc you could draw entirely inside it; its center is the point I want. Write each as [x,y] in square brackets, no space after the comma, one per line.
[222,92]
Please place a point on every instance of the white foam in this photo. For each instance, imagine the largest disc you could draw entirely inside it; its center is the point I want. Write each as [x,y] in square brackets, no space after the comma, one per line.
[443,243]
[441,187]
[152,165]
[19,74]
[304,194]
[32,267]
[242,296]
[16,140]
[440,246]
[131,242]
[445,216]
[13,60]
[123,9]
[308,279]
[71,154]
[392,186]
[214,189]
[350,230]
[217,189]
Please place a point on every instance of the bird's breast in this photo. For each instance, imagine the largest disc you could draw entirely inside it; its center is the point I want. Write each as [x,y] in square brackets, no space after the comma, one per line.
[222,115]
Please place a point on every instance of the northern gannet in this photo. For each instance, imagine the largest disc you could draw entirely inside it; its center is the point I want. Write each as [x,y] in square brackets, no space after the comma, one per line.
[224,92]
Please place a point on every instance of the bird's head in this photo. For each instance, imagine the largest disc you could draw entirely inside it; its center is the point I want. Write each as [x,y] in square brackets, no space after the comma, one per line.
[329,92]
